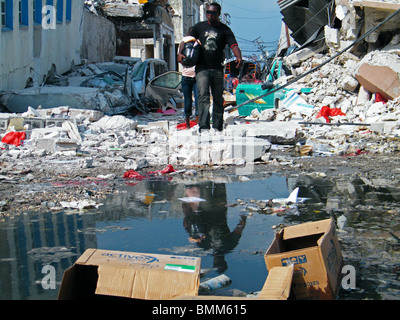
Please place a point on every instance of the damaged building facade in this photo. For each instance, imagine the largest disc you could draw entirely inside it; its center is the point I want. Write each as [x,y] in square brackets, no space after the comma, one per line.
[143,20]
[317,23]
[151,29]
[32,43]
[39,38]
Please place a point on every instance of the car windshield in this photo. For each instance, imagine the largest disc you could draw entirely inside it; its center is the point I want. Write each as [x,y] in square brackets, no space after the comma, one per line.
[138,71]
[169,80]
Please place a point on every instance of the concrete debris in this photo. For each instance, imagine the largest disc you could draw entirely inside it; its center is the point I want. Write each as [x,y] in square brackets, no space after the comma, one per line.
[102,87]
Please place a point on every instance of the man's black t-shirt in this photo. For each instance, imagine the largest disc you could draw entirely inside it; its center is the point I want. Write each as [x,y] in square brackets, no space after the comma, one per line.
[213,41]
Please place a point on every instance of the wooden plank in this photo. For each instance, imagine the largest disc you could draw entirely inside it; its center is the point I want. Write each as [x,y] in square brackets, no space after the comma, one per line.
[377,5]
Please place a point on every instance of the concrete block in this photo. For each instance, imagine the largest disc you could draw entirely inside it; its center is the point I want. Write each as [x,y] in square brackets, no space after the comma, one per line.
[117,122]
[34,123]
[349,83]
[383,127]
[4,123]
[91,115]
[49,133]
[49,145]
[276,132]
[55,145]
[332,36]
[54,122]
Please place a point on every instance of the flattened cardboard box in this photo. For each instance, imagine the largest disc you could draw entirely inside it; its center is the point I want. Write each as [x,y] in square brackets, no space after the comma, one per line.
[105,274]
[313,249]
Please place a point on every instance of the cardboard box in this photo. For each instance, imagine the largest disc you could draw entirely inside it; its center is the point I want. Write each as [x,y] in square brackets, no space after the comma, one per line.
[313,249]
[380,79]
[276,287]
[106,274]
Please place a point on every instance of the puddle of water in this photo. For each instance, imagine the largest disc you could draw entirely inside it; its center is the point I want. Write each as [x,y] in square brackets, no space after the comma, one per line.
[151,216]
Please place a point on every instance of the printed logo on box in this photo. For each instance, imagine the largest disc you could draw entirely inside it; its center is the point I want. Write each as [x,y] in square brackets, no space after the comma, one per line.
[128,257]
[294,260]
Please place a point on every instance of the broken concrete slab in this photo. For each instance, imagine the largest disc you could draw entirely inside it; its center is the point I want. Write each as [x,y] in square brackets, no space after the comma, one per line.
[276,132]
[114,102]
[119,123]
[380,79]
[301,55]
[124,10]
[49,97]
[91,115]
[56,145]
[375,12]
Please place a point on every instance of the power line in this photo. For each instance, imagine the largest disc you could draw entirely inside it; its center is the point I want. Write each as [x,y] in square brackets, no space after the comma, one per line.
[252,18]
[247,9]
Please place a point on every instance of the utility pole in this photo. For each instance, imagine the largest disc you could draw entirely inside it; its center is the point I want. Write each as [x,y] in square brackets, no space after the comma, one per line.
[260,47]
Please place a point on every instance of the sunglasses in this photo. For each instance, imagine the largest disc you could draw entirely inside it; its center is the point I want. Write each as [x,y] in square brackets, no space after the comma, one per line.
[213,13]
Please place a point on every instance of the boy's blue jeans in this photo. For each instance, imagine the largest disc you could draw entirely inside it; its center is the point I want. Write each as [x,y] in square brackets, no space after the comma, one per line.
[188,88]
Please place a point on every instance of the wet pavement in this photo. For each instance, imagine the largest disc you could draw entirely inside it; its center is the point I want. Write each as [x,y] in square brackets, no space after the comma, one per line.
[230,227]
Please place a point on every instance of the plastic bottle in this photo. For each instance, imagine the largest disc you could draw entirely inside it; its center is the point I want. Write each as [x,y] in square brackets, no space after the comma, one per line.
[215,283]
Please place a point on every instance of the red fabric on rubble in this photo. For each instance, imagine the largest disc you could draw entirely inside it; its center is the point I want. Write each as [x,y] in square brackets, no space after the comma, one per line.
[380,98]
[327,112]
[168,169]
[132,174]
[14,138]
[182,126]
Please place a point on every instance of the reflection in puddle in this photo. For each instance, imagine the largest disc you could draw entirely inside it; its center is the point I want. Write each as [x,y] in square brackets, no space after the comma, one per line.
[226,222]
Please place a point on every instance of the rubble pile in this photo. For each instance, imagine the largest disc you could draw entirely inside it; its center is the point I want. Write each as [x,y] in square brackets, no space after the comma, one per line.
[355,97]
[336,85]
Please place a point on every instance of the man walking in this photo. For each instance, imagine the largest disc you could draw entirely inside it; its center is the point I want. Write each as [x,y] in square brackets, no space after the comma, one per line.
[213,36]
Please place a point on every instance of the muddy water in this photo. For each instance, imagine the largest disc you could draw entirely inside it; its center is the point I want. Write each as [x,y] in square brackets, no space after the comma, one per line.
[227,226]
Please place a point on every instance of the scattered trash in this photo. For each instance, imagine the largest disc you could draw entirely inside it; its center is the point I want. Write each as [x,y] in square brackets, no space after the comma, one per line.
[132,174]
[48,255]
[80,205]
[191,199]
[327,112]
[15,138]
[292,199]
[215,283]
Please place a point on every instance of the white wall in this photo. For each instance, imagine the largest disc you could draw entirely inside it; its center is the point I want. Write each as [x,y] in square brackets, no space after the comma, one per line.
[30,51]
[99,38]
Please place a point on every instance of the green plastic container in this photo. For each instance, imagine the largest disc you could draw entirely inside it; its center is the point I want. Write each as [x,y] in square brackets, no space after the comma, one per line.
[245,92]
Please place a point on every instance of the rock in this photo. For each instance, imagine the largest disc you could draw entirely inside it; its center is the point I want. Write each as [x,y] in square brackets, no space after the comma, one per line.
[119,123]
